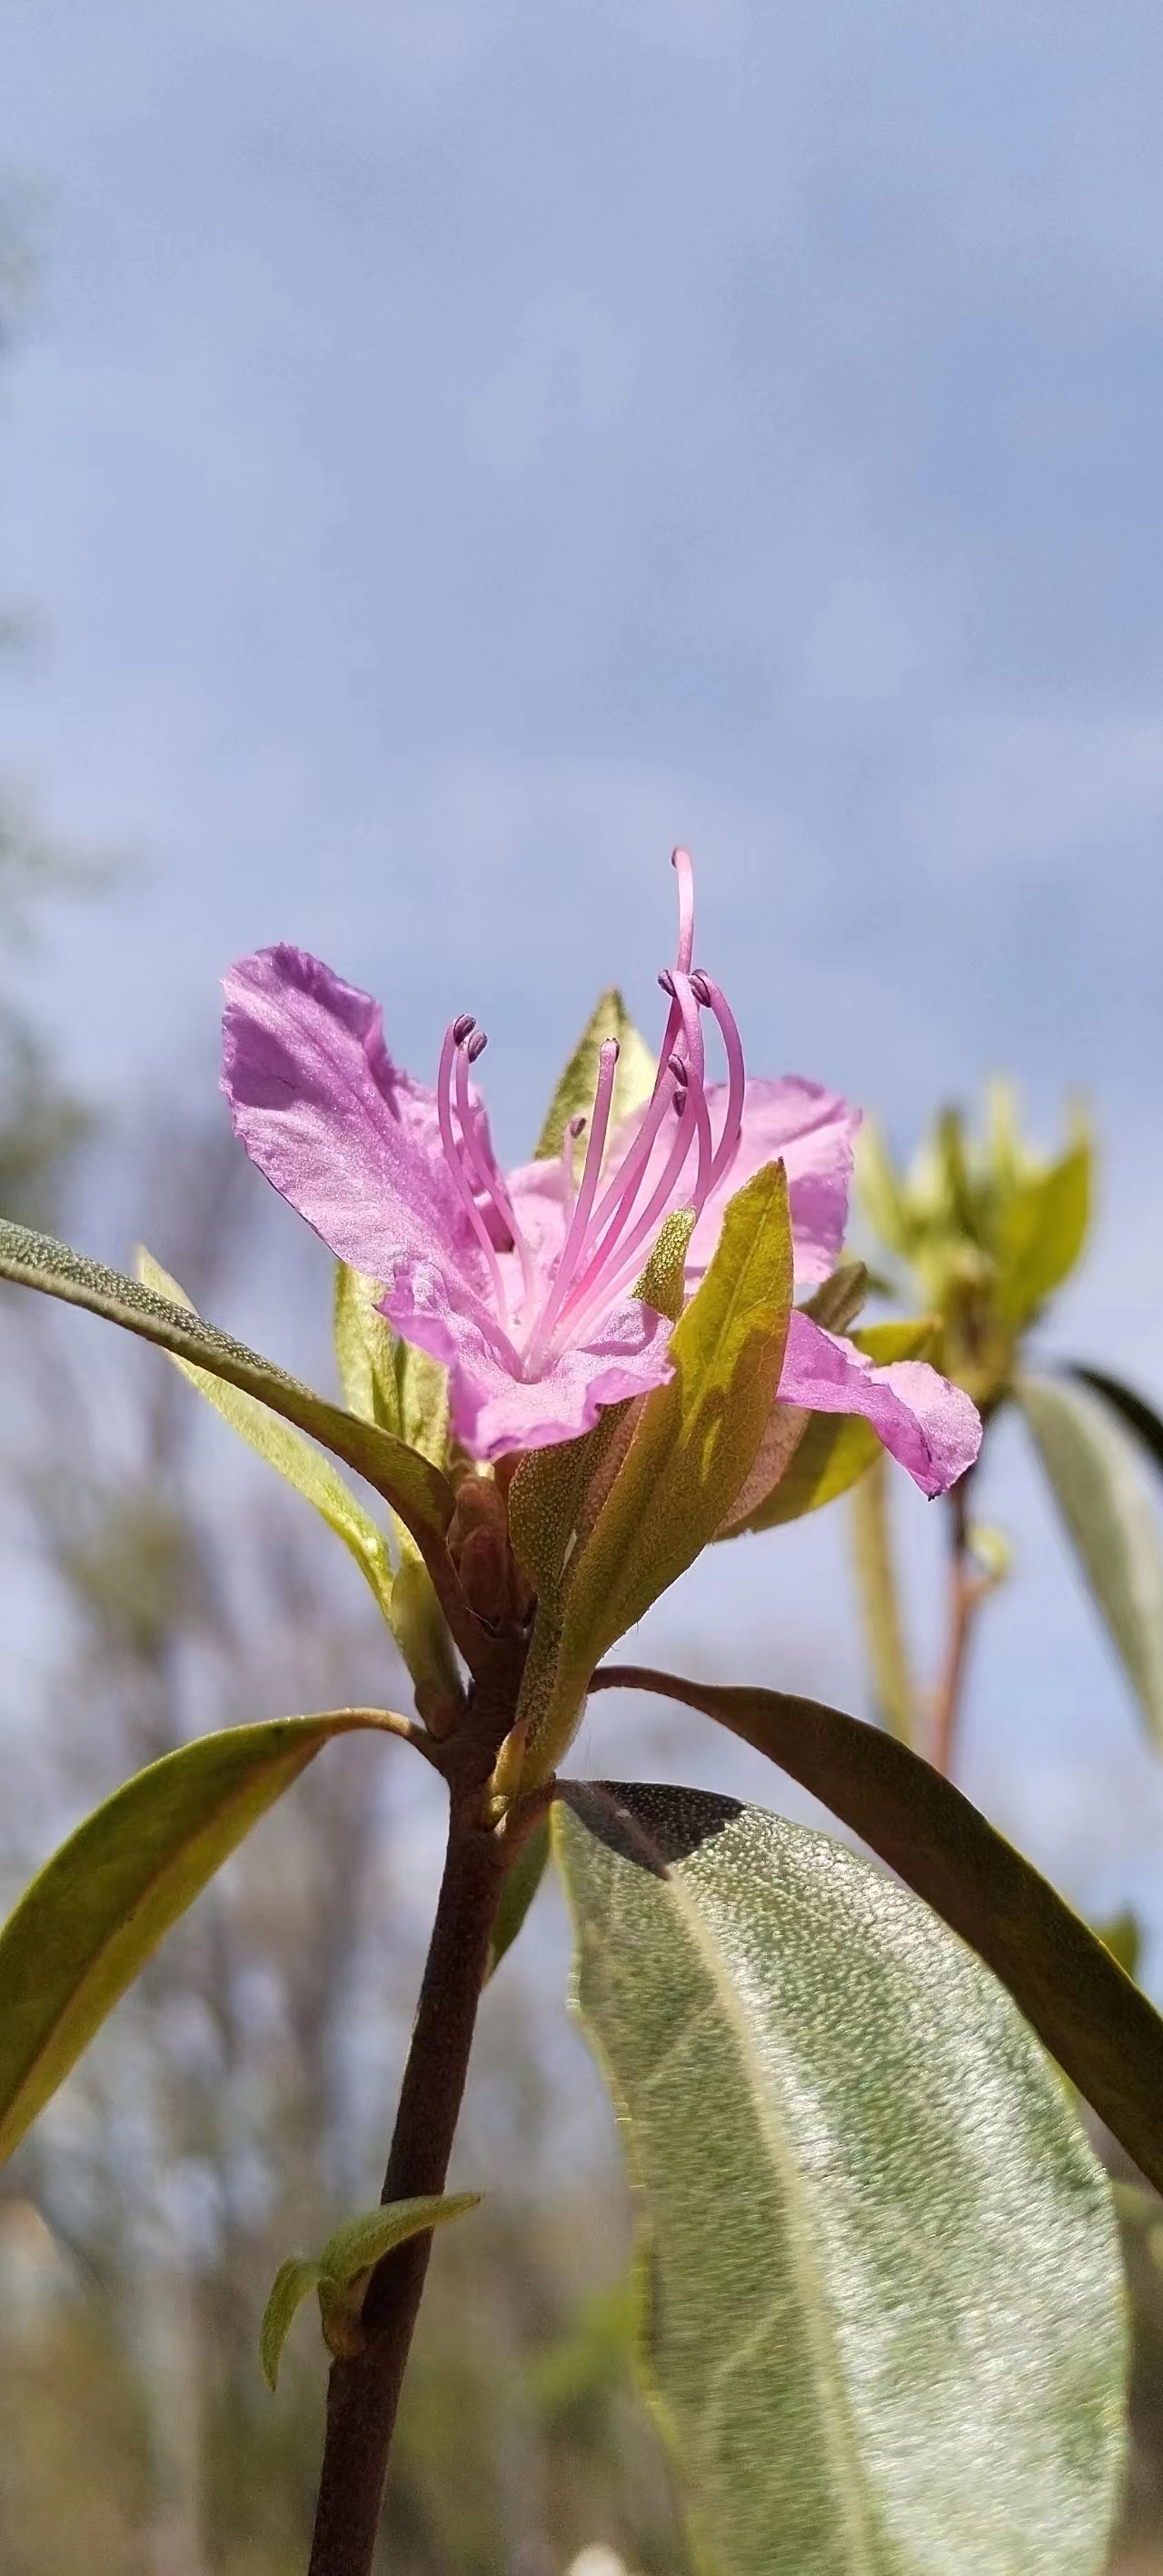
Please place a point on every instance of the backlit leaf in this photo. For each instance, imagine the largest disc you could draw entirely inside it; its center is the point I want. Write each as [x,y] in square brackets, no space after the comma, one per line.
[1041,1231]
[1093,2020]
[693,1443]
[86,1926]
[416,1489]
[884,2323]
[1094,1477]
[574,1096]
[294,1458]
[346,2259]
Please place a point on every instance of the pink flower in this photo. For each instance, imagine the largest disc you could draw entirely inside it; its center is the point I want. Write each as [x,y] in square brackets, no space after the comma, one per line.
[522,1281]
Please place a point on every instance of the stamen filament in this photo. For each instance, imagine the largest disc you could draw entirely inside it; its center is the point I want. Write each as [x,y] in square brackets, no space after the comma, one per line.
[683,866]
[727,1148]
[453,1155]
[477,1164]
[608,1054]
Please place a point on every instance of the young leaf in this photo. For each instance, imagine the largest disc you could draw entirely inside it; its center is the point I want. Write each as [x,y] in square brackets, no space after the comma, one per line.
[98,1909]
[1098,2025]
[884,2327]
[346,2259]
[574,1096]
[415,1489]
[405,1392]
[518,1890]
[385,1379]
[1094,1478]
[1041,1232]
[693,1444]
[284,1448]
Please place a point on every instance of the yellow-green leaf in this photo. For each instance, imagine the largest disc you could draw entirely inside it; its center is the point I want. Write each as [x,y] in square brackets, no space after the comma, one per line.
[86,1926]
[574,1096]
[692,1447]
[347,2258]
[1041,1232]
[415,1489]
[294,1458]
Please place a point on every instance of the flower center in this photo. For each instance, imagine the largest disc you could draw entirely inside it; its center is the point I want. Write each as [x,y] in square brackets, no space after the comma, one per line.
[607,1237]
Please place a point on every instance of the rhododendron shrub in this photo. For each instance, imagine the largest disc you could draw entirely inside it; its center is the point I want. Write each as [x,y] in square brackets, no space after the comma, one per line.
[881,2305]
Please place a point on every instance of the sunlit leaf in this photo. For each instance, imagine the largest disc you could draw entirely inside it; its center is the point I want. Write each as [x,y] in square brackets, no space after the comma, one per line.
[385,1379]
[1094,2021]
[693,1442]
[574,1096]
[415,1488]
[1095,1481]
[884,2327]
[86,1926]
[344,2264]
[518,1889]
[294,1458]
[1041,1231]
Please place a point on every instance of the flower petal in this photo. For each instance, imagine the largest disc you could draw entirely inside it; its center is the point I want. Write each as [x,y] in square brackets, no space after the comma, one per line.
[808,1129]
[930,1426]
[492,1407]
[342,1134]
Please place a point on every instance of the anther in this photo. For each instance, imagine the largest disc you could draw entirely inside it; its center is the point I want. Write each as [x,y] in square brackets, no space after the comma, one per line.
[476,1046]
[666,981]
[677,1064]
[463,1028]
[578,1124]
[701,989]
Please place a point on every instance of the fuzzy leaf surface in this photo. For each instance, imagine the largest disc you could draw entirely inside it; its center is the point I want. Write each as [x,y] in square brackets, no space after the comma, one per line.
[884,2324]
[1090,2016]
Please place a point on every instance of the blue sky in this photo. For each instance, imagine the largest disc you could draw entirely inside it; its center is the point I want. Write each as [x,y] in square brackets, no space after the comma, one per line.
[462,450]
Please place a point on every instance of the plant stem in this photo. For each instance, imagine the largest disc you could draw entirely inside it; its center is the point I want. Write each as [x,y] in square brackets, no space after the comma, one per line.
[880,1603]
[363,2393]
[965,1593]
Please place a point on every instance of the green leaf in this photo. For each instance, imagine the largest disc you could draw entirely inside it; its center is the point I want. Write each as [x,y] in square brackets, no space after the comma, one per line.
[385,1379]
[1042,1229]
[293,2282]
[518,1889]
[836,1303]
[388,1382]
[415,1489]
[693,1444]
[884,2324]
[574,1096]
[1102,2031]
[663,1282]
[1094,1478]
[284,1448]
[86,1926]
[344,2264]
[1139,1416]
[881,1190]
[820,1455]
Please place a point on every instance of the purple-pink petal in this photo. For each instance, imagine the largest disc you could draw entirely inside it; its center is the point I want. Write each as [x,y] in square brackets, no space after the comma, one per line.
[338,1130]
[930,1426]
[492,1407]
[810,1130]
